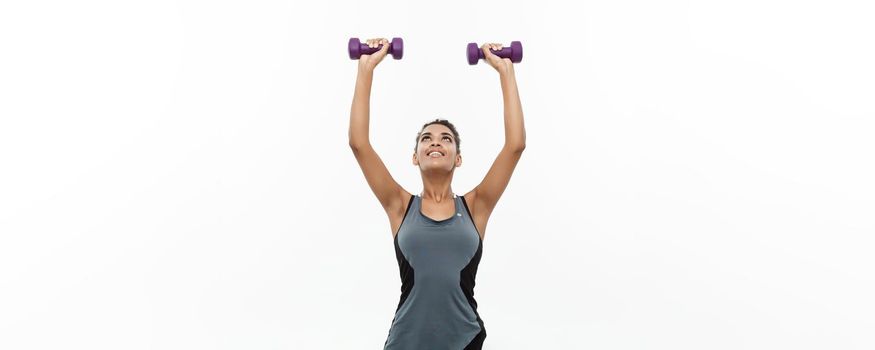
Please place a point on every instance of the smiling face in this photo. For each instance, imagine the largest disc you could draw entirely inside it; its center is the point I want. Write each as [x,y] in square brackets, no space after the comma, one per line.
[437,138]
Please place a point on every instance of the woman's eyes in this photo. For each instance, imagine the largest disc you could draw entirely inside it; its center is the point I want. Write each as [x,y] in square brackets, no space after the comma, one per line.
[446,137]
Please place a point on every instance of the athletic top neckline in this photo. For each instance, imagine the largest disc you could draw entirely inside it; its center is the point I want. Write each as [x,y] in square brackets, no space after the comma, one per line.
[455,209]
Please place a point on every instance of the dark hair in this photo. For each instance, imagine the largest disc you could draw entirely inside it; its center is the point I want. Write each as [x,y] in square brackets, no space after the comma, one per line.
[443,122]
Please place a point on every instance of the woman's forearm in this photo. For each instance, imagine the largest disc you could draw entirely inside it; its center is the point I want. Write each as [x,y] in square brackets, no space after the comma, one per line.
[514,128]
[359,116]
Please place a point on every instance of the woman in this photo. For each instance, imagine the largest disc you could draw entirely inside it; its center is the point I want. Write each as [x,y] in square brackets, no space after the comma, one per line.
[439,245]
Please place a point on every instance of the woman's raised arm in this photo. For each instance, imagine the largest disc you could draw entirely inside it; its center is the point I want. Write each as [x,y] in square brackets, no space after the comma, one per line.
[387,190]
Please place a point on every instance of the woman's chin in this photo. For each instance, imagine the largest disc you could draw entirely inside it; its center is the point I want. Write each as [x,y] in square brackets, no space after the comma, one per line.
[434,168]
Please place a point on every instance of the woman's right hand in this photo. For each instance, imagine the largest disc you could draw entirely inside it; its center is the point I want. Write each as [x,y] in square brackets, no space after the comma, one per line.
[369,62]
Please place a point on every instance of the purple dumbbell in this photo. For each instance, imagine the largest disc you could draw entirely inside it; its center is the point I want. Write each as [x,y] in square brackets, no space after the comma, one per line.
[514,52]
[357,48]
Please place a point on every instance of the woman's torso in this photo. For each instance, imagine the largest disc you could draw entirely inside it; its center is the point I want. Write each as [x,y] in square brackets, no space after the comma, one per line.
[437,259]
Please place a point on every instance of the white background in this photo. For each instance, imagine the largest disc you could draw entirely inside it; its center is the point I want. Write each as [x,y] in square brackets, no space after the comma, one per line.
[176,175]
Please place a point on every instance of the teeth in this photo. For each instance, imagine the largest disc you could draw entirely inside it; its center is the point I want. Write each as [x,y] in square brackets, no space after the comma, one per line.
[433,153]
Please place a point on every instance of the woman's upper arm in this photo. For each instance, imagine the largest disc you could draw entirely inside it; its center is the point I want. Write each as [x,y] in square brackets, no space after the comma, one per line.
[388,191]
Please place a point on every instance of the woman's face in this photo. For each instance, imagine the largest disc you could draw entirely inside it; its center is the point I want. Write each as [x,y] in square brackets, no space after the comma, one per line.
[437,137]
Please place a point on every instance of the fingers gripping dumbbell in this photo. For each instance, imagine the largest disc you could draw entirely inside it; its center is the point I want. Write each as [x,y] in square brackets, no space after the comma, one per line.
[514,52]
[357,49]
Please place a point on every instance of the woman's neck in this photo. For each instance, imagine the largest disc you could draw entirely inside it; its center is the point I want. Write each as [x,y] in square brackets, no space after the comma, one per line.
[436,196]
[437,190]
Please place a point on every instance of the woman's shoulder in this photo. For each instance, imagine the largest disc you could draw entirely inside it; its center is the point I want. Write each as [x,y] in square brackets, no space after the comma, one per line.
[396,216]
[470,196]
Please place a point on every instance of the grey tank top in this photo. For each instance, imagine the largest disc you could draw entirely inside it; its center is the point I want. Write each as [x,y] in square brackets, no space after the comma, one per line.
[438,262]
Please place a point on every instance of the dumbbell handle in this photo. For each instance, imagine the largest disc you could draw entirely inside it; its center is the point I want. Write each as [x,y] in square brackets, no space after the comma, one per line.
[367,50]
[505,52]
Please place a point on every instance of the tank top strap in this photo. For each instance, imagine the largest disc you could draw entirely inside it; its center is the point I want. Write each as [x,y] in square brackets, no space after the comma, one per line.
[410,205]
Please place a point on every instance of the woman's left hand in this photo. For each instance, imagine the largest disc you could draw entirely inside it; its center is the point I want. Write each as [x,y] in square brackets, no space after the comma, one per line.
[502,65]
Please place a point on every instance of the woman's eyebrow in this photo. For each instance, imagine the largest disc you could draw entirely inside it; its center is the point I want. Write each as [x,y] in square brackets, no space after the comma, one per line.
[443,133]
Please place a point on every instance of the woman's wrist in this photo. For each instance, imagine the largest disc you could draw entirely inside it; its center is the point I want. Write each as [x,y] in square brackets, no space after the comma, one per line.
[368,72]
[506,73]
